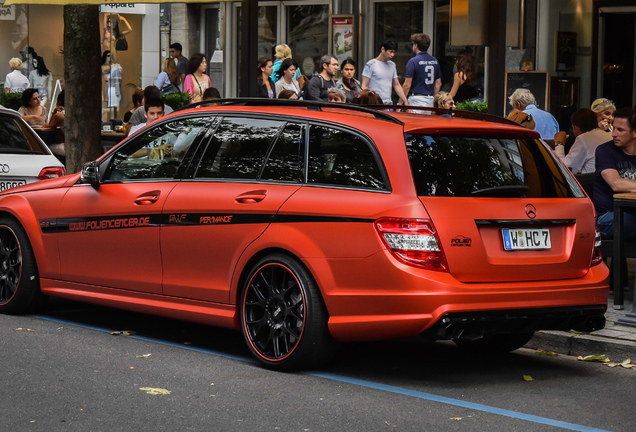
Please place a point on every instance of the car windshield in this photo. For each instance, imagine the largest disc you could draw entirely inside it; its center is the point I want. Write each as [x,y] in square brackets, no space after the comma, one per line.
[462,166]
[15,137]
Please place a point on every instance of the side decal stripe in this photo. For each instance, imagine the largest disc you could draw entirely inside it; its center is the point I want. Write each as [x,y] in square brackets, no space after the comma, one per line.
[77,224]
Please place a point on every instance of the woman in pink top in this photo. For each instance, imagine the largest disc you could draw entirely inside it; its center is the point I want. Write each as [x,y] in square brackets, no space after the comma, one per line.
[196,82]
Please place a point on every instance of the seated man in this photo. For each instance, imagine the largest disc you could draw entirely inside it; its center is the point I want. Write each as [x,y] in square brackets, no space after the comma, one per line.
[545,123]
[616,173]
[154,110]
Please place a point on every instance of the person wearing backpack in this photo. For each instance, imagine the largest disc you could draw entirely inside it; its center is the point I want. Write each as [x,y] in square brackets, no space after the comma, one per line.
[318,86]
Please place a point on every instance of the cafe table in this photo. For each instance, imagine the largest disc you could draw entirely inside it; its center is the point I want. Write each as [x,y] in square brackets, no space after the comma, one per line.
[622,202]
[110,139]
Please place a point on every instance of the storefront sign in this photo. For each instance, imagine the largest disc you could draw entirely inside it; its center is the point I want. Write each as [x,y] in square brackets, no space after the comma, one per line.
[127,8]
[7,13]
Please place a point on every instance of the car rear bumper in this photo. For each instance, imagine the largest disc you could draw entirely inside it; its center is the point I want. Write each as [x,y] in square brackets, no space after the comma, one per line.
[388,303]
[475,325]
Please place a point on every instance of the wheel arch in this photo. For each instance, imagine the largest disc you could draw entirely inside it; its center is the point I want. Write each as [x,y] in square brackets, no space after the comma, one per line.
[17,208]
[245,268]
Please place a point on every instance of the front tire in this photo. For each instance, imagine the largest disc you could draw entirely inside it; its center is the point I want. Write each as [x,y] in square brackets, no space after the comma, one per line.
[19,280]
[283,316]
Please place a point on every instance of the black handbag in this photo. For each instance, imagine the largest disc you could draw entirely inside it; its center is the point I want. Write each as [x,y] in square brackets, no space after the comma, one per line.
[170,88]
[121,44]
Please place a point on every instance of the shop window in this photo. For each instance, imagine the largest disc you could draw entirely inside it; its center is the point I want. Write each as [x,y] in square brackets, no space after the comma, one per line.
[267,30]
[398,21]
[308,33]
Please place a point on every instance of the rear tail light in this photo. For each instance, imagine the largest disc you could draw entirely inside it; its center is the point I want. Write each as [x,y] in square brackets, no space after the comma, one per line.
[51,172]
[413,242]
[597,257]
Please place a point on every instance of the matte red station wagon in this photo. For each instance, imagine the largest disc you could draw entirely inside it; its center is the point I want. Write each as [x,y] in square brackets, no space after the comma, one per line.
[305,224]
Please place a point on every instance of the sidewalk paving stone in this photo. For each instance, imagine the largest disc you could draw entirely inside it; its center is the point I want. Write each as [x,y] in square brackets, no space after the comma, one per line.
[616,341]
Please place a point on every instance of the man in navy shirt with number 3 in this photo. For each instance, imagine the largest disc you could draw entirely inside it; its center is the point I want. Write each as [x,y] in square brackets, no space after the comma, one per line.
[423,76]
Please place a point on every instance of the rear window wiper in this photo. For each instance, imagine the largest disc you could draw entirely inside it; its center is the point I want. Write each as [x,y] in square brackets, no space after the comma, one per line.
[507,191]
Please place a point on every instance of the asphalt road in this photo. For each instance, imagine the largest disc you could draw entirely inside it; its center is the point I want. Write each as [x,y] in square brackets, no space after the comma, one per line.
[63,370]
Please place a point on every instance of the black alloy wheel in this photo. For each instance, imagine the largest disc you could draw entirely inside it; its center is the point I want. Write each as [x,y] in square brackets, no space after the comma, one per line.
[283,317]
[19,282]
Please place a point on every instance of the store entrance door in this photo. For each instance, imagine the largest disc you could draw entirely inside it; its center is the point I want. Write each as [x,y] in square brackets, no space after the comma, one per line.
[616,55]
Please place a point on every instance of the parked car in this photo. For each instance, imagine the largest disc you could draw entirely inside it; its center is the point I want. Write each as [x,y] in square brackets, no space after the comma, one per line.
[24,158]
[305,224]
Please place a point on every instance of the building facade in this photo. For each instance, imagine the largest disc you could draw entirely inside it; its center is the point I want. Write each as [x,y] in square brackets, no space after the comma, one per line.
[584,48]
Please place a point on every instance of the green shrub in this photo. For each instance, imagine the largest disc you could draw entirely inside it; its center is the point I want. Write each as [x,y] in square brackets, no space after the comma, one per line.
[11,100]
[176,100]
[480,107]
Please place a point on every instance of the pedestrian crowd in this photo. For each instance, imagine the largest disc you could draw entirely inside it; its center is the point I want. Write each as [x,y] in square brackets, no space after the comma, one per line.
[380,84]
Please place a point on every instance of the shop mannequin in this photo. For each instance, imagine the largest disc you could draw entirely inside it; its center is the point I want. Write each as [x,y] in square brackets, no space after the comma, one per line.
[115,26]
[40,79]
[114,85]
[112,75]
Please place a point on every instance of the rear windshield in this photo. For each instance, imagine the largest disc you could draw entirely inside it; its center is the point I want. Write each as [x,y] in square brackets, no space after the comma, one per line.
[16,138]
[461,166]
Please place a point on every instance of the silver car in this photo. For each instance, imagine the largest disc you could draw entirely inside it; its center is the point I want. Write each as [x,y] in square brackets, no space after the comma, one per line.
[24,158]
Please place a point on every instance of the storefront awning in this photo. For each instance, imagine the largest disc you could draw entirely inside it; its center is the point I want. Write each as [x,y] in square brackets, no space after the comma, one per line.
[100,2]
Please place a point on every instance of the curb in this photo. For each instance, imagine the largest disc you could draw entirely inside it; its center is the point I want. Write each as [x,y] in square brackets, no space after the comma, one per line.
[585,344]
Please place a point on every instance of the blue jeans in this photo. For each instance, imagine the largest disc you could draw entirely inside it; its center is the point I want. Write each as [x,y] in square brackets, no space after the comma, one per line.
[605,224]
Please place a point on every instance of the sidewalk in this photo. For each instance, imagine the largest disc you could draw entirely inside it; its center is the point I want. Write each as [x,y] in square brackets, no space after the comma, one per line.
[616,341]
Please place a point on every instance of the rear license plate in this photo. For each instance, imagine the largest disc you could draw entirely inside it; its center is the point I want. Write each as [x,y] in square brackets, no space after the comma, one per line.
[4,185]
[526,239]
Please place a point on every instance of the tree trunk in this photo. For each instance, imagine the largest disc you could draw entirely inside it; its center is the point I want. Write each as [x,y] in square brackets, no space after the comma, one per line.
[82,85]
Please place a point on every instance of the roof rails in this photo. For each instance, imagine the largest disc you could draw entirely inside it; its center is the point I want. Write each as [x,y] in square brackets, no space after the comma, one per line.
[310,105]
[378,111]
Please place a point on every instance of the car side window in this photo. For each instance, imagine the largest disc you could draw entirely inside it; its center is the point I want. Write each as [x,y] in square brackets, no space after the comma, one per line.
[342,158]
[155,153]
[238,148]
[285,161]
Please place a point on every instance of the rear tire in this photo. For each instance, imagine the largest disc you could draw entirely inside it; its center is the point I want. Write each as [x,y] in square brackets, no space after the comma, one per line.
[496,344]
[19,280]
[283,317]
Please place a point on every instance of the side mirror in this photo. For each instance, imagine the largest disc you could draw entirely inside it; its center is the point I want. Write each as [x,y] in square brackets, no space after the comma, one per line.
[90,174]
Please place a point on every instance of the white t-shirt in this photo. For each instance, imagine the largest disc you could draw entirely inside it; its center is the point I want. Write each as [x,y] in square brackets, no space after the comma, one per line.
[581,156]
[16,82]
[381,75]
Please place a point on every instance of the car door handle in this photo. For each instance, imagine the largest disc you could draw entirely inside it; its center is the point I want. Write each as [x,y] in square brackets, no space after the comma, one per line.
[148,198]
[251,197]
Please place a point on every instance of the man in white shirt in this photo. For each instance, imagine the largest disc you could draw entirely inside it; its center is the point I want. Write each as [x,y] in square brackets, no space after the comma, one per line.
[380,74]
[588,137]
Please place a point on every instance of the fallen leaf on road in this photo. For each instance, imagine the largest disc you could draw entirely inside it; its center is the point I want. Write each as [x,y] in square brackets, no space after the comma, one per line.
[595,358]
[545,353]
[24,329]
[627,364]
[528,378]
[456,418]
[122,333]
[144,356]
[155,391]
